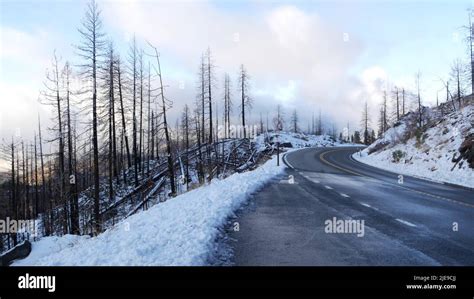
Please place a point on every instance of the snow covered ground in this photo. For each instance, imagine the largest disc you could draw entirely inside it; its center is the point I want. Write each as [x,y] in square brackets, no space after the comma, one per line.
[300,140]
[180,231]
[430,155]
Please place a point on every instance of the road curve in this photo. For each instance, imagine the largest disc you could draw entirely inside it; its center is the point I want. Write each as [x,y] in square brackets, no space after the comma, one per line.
[417,222]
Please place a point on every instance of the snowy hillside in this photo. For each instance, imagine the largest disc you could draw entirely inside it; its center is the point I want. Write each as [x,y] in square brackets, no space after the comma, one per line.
[428,153]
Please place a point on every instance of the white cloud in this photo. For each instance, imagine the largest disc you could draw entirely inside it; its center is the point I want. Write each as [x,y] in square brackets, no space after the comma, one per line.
[278,45]
[375,79]
[19,110]
[25,50]
[294,57]
[24,57]
[286,93]
[291,26]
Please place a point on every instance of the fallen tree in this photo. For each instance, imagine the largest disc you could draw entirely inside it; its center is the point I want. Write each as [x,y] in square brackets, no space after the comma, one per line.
[20,251]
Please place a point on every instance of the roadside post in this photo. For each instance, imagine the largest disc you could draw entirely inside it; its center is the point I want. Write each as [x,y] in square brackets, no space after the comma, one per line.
[279,128]
[278,153]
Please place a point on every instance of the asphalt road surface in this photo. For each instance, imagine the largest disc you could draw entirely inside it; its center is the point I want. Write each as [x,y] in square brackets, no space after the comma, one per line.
[414,222]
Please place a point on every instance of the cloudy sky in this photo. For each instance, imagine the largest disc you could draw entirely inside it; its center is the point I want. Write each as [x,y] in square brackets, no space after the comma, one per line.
[308,55]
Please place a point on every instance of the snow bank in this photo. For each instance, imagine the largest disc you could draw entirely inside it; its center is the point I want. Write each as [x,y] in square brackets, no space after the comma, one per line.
[180,231]
[429,158]
[299,140]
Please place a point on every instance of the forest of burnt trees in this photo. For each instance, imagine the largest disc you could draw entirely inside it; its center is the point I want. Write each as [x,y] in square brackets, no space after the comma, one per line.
[111,134]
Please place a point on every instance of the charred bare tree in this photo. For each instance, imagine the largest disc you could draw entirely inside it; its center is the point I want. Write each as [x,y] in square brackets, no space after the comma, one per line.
[320,124]
[403,101]
[365,123]
[133,61]
[111,121]
[122,112]
[449,97]
[36,179]
[227,106]
[457,70]
[91,50]
[279,119]
[198,131]
[164,107]
[152,141]
[294,121]
[418,98]
[245,100]
[43,177]
[10,151]
[470,40]
[397,102]
[149,121]
[26,182]
[140,129]
[185,126]
[73,192]
[384,112]
[51,95]
[210,79]
[202,96]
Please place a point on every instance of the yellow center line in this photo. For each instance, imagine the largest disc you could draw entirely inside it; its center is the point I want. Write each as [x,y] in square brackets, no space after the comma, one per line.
[322,157]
